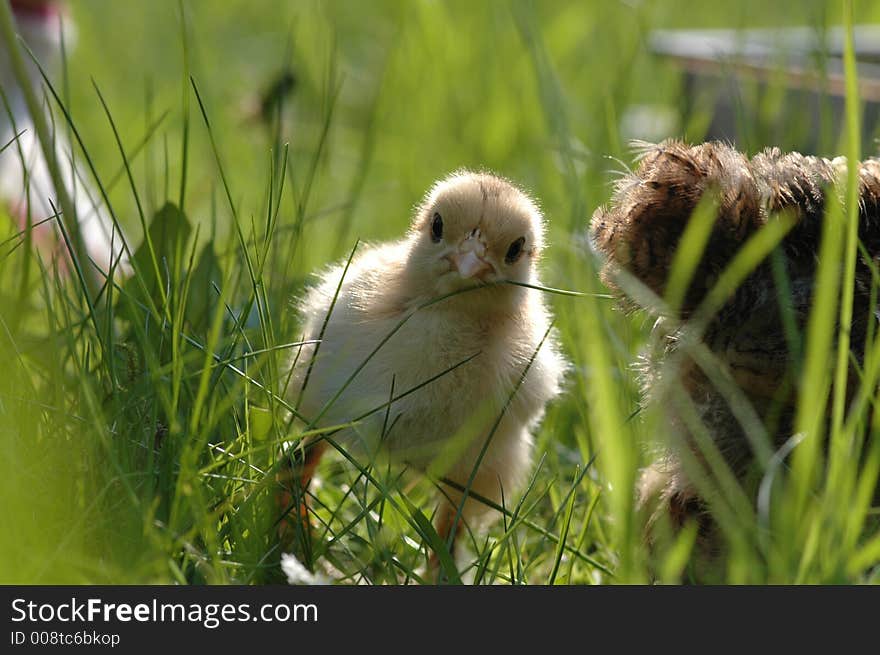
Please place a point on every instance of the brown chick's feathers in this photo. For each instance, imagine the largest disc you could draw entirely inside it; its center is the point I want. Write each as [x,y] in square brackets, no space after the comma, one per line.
[650,209]
[639,232]
[640,229]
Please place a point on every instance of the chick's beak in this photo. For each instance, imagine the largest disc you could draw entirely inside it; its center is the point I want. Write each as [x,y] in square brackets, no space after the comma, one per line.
[470,259]
[469,264]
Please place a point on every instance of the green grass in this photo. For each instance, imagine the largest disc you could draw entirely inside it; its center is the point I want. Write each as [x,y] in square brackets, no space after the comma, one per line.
[140,422]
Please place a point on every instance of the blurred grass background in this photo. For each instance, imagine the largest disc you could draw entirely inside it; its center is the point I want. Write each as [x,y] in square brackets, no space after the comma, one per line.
[115,466]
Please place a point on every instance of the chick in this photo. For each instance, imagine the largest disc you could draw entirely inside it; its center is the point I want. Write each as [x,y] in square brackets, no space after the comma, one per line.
[639,233]
[26,185]
[471,233]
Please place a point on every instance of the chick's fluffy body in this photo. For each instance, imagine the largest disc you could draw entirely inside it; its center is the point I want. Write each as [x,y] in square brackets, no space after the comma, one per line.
[440,427]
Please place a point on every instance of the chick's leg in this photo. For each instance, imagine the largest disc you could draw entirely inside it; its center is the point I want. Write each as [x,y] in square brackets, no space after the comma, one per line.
[500,476]
[451,523]
[294,476]
[449,530]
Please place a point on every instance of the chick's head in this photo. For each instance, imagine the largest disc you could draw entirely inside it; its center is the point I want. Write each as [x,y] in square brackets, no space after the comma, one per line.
[472,229]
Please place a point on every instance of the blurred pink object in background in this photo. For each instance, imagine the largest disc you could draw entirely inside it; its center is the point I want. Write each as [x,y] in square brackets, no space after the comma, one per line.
[26,185]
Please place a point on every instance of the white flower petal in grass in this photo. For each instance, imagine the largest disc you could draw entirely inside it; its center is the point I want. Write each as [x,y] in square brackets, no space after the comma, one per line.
[298,574]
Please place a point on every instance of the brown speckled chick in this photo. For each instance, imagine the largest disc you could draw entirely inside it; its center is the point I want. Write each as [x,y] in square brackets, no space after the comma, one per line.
[638,233]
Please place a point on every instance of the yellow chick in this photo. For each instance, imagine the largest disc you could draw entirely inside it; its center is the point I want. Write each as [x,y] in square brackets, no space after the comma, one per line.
[461,339]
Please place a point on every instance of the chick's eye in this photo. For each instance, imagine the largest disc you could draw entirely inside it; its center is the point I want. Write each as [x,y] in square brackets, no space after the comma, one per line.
[436,228]
[515,250]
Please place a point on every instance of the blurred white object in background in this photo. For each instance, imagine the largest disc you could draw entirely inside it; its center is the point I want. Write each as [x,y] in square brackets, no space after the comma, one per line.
[649,122]
[26,185]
